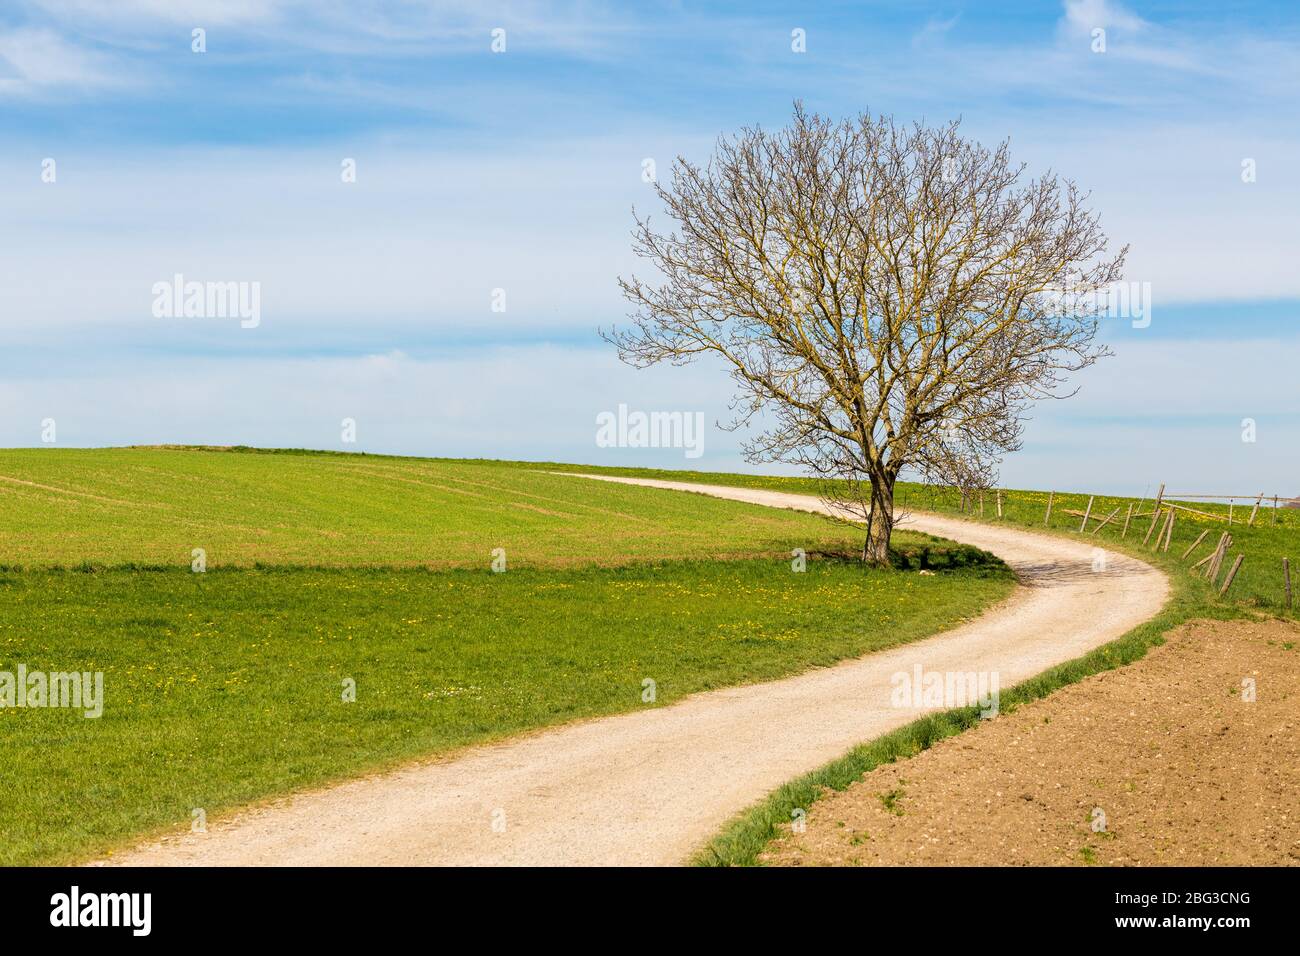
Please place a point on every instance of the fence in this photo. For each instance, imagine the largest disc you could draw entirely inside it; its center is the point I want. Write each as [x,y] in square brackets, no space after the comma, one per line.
[1156,519]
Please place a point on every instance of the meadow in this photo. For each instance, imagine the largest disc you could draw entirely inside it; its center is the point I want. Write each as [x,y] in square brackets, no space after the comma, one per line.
[226,687]
[1259,584]
[150,507]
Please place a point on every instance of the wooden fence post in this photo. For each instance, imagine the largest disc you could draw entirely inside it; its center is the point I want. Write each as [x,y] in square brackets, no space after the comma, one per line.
[1160,495]
[1128,515]
[1286,574]
[1212,572]
[1155,516]
[1195,543]
[1255,510]
[999,502]
[1160,535]
[1105,521]
[1273,521]
[1048,517]
[1208,560]
[1087,512]
[1169,531]
[1232,573]
[981,502]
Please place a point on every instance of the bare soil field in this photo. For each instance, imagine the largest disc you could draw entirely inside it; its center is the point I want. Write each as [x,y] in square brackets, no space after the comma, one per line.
[1167,761]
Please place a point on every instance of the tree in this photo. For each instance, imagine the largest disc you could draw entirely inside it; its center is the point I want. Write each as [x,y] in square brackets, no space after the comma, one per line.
[890,297]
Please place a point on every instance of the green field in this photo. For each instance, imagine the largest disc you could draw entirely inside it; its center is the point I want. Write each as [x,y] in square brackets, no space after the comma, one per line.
[1259,582]
[152,507]
[227,686]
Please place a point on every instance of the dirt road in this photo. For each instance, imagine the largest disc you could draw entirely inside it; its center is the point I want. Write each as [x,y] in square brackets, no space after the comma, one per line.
[650,787]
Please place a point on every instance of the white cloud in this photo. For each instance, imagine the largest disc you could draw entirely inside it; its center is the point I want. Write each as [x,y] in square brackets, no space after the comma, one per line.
[1174,192]
[1188,72]
[35,61]
[1081,17]
[1171,412]
[431,227]
[534,402]
[363,27]
[934,28]
[423,235]
[1167,411]
[128,13]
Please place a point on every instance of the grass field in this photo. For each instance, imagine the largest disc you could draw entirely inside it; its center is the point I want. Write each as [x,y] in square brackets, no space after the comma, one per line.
[152,507]
[1258,584]
[225,687]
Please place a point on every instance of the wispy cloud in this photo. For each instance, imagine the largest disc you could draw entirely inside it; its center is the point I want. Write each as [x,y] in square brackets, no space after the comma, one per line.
[35,61]
[478,171]
[1194,67]
[1081,17]
[352,27]
[934,28]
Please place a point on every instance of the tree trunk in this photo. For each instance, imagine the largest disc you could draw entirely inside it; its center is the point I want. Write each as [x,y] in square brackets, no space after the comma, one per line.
[880,521]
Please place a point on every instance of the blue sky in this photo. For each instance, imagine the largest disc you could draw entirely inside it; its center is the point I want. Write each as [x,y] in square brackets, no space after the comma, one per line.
[518,170]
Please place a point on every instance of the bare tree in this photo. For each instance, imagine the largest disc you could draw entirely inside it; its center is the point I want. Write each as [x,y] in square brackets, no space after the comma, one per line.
[891,297]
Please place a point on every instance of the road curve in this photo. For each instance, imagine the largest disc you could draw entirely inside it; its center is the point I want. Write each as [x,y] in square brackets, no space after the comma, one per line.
[650,787]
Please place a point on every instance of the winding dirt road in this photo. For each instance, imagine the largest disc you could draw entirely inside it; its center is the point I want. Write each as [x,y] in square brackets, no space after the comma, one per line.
[650,787]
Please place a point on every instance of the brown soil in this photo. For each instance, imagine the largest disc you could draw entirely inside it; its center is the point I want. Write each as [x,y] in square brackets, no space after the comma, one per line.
[1185,770]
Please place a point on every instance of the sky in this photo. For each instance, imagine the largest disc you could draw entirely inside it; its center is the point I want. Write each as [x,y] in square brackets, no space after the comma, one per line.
[447,297]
